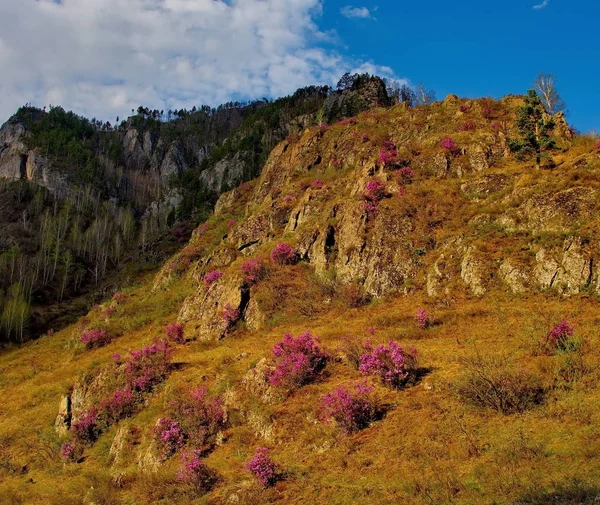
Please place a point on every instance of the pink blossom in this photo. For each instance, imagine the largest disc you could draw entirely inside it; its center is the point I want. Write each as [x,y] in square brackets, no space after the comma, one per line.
[559,335]
[231,315]
[119,405]
[388,153]
[391,363]
[193,472]
[374,190]
[253,270]
[298,361]
[283,254]
[174,333]
[212,277]
[448,143]
[263,468]
[422,318]
[95,338]
[352,410]
[317,184]
[231,223]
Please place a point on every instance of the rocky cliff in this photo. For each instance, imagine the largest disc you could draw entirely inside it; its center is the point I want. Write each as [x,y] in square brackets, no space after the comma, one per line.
[446,220]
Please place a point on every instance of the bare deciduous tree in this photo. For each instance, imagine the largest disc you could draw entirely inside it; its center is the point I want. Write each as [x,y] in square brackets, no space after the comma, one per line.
[545,85]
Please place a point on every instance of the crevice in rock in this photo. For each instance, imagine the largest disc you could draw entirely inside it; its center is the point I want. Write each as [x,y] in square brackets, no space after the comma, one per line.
[590,273]
[23,167]
[553,279]
[244,301]
[330,244]
[248,244]
[317,162]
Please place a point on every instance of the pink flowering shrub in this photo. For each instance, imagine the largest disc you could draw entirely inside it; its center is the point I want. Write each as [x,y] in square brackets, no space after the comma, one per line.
[598,145]
[448,144]
[253,270]
[283,254]
[169,437]
[370,210]
[86,430]
[194,473]
[119,296]
[351,410]
[364,137]
[68,452]
[298,361]
[487,112]
[388,153]
[348,120]
[374,191]
[391,363]
[231,315]
[148,366]
[116,357]
[212,277]
[560,335]
[422,318]
[467,126]
[109,311]
[95,338]
[317,184]
[174,332]
[288,199]
[120,404]
[231,223]
[200,417]
[465,107]
[264,469]
[405,175]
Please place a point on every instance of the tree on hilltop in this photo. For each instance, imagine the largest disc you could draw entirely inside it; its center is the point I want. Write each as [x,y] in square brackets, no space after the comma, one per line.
[535,127]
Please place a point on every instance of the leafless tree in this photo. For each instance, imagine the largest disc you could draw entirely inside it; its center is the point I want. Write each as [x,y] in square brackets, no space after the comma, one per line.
[545,85]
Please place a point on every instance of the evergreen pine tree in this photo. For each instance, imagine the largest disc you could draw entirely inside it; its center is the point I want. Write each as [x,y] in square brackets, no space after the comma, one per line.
[535,127]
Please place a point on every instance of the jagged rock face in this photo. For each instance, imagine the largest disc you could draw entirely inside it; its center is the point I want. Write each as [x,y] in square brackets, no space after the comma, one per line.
[13,152]
[203,312]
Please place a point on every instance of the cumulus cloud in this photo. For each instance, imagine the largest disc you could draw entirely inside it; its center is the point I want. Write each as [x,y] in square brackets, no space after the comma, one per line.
[104,57]
[542,5]
[355,12]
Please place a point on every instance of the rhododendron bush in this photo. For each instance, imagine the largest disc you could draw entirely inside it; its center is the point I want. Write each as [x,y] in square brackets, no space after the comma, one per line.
[391,363]
[212,277]
[148,366]
[199,418]
[117,406]
[95,338]
[253,270]
[298,361]
[194,473]
[174,333]
[263,468]
[169,437]
[283,254]
[352,409]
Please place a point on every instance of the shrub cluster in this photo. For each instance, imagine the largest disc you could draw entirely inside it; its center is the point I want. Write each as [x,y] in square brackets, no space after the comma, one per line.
[394,365]
[489,382]
[148,366]
[422,318]
[174,333]
[283,254]
[194,473]
[467,126]
[448,144]
[559,337]
[405,175]
[351,410]
[212,277]
[120,404]
[95,338]
[298,361]
[200,417]
[231,315]
[169,437]
[264,469]
[253,270]
[374,191]
[86,430]
[388,153]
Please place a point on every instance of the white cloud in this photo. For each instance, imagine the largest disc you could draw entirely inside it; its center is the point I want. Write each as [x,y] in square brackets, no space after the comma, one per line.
[542,5]
[104,57]
[355,12]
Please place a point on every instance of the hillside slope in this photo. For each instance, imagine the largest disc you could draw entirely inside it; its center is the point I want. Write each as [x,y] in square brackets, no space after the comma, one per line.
[410,224]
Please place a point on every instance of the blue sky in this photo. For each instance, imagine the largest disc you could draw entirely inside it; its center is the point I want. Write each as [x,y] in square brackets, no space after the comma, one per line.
[479,48]
[103,58]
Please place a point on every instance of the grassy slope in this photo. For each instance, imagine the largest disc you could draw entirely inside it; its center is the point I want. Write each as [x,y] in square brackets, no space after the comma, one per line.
[430,447]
